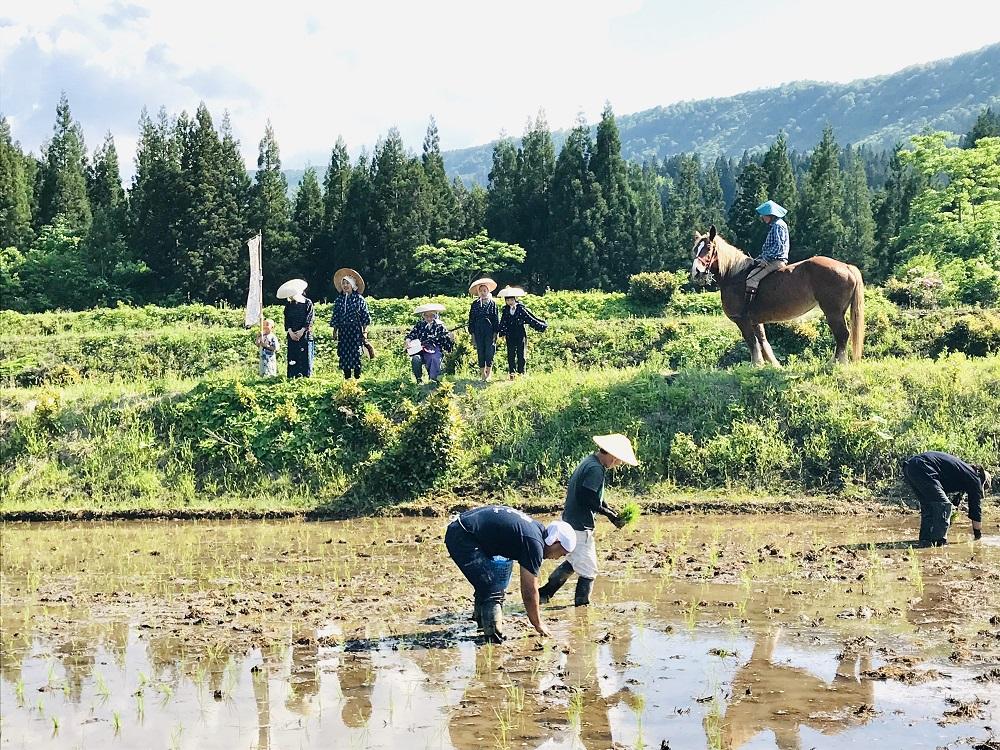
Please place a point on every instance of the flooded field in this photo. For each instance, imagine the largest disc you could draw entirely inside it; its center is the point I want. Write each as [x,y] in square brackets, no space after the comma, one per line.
[725,632]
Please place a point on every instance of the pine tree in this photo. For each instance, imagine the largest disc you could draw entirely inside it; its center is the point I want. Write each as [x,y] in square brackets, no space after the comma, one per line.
[153,208]
[535,171]
[781,183]
[858,221]
[443,216]
[684,211]
[650,232]
[354,238]
[471,209]
[746,230]
[105,245]
[270,214]
[726,170]
[819,222]
[987,125]
[902,186]
[15,193]
[714,202]
[307,225]
[577,216]
[502,194]
[234,207]
[336,183]
[619,255]
[64,181]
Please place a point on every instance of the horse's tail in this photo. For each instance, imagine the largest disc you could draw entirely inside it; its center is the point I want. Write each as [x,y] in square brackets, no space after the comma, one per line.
[857,314]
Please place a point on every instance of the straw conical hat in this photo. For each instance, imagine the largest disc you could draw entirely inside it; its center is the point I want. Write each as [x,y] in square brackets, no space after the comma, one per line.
[290,288]
[511,291]
[618,446]
[338,278]
[485,280]
[429,307]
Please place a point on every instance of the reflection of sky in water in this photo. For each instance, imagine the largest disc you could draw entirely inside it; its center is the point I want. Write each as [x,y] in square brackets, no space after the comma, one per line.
[444,698]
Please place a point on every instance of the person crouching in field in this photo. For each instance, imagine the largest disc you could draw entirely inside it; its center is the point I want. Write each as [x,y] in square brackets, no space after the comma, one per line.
[931,476]
[427,341]
[584,498]
[512,321]
[484,542]
[268,344]
[483,324]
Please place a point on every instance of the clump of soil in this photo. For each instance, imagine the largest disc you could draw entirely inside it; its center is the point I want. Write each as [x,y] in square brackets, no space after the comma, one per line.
[963,711]
[901,670]
[992,675]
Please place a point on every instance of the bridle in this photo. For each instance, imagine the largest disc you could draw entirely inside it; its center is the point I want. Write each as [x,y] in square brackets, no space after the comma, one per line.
[705,260]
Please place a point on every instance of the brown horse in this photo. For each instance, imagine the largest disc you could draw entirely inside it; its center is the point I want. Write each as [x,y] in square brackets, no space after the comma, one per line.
[783,295]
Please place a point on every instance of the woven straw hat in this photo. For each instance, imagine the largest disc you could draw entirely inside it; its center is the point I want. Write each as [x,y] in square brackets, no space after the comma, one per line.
[474,286]
[618,446]
[429,307]
[291,288]
[511,291]
[338,278]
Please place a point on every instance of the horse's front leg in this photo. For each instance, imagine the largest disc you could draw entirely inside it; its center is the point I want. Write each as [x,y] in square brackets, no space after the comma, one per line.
[765,346]
[750,336]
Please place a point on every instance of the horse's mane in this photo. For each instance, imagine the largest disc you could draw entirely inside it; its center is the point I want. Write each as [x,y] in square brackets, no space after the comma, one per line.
[731,259]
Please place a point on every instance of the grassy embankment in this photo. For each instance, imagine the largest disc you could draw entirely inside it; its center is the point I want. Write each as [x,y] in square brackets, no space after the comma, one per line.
[158,411]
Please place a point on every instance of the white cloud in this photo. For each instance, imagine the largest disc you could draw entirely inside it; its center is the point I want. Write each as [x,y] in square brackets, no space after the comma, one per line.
[356,69]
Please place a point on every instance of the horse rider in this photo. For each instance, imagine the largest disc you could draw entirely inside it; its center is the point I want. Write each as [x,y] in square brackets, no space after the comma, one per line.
[773,254]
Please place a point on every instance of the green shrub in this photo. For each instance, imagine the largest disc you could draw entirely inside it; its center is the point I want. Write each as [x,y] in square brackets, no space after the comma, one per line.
[917,286]
[653,287]
[977,335]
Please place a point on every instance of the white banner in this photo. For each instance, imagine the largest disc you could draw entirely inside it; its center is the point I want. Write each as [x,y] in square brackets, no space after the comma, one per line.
[255,295]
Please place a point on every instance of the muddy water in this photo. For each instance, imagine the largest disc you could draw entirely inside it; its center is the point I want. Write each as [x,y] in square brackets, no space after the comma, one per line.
[737,632]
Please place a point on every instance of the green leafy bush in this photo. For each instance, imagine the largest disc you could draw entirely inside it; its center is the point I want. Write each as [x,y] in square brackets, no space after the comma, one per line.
[976,335]
[653,287]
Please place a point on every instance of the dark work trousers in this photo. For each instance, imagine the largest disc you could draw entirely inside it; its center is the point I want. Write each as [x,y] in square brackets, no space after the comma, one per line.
[488,575]
[935,507]
[516,351]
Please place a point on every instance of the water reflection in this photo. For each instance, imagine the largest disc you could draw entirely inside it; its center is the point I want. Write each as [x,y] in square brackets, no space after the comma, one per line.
[769,695]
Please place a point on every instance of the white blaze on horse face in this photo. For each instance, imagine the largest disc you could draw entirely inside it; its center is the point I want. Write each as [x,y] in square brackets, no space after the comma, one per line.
[697,267]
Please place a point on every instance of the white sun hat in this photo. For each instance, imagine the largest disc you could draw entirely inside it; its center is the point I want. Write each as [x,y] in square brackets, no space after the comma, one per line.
[511,291]
[291,288]
[562,532]
[474,286]
[618,446]
[429,307]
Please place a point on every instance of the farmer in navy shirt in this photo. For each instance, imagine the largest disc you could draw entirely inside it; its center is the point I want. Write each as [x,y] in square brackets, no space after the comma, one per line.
[932,476]
[485,542]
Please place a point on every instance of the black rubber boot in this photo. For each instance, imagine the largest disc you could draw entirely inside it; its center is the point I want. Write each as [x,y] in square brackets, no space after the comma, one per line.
[477,615]
[559,576]
[583,588]
[747,302]
[492,615]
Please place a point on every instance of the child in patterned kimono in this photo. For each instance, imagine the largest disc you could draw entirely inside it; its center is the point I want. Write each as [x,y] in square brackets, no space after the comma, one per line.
[434,339]
[512,321]
[268,344]
[483,322]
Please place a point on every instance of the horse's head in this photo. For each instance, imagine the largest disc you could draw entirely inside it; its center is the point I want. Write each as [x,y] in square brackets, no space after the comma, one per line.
[705,256]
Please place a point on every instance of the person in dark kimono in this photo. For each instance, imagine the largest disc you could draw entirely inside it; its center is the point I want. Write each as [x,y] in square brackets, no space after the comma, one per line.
[427,341]
[483,324]
[299,316]
[350,321]
[932,476]
[513,319]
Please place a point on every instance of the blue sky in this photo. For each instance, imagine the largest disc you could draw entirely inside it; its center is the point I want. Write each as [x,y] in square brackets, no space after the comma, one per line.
[319,70]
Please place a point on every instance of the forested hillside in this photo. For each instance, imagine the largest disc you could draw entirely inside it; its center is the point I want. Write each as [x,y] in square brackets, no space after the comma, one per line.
[875,112]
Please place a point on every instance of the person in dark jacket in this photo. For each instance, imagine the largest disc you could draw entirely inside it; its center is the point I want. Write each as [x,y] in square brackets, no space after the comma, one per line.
[932,476]
[485,542]
[512,322]
[427,342]
[483,324]
[299,316]
[584,500]
[350,321]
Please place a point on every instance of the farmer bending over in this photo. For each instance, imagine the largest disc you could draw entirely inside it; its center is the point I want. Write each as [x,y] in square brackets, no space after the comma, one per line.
[584,498]
[774,252]
[931,476]
[485,542]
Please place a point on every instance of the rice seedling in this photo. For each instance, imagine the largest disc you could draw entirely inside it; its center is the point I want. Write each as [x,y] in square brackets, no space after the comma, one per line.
[629,512]
[116,722]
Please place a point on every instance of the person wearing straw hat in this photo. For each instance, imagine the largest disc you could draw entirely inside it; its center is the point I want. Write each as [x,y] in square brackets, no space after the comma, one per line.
[350,321]
[427,341]
[483,324]
[932,476]
[512,321]
[773,254]
[299,315]
[584,499]
[485,542]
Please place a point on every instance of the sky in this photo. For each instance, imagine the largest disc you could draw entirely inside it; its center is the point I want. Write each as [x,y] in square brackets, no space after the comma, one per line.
[319,70]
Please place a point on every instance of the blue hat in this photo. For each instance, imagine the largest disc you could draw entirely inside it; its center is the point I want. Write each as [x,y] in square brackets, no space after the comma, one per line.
[770,208]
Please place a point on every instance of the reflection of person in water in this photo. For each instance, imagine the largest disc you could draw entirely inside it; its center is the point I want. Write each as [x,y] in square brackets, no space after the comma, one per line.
[357,684]
[304,677]
[262,697]
[782,698]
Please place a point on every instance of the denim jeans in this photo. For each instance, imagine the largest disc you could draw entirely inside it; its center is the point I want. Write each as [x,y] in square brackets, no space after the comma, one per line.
[488,574]
[935,507]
